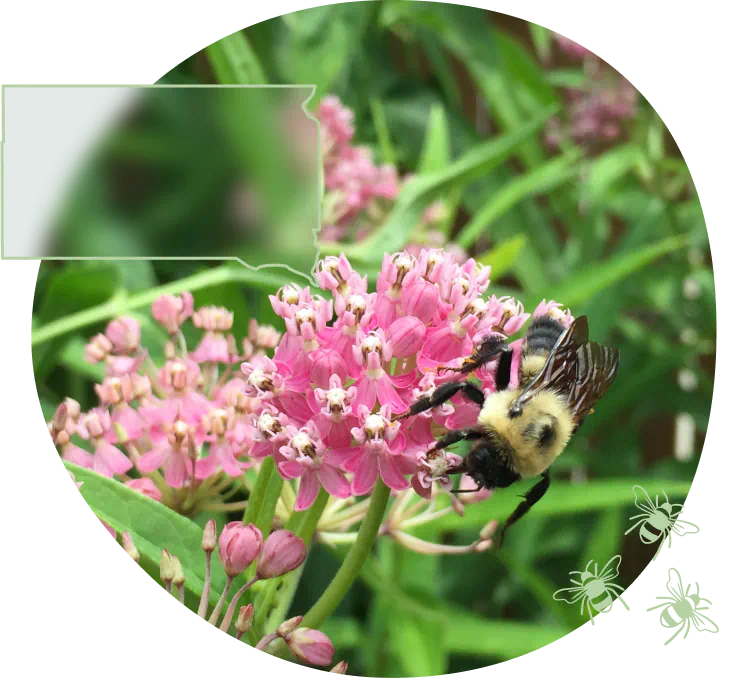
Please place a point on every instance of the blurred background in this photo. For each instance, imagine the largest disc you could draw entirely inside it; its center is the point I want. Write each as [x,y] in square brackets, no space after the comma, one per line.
[495,138]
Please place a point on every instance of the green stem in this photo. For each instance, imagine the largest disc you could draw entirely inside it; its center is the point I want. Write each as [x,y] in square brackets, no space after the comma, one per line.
[257,496]
[352,564]
[121,303]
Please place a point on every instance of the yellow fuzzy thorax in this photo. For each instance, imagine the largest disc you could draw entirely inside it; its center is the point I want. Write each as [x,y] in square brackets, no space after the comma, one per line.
[525,456]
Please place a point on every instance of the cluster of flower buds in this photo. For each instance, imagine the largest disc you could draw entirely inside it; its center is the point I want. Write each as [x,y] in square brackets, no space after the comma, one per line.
[596,111]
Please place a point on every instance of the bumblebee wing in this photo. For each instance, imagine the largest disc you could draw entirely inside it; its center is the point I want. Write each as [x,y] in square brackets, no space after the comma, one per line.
[596,369]
[611,569]
[703,623]
[682,527]
[559,370]
[675,584]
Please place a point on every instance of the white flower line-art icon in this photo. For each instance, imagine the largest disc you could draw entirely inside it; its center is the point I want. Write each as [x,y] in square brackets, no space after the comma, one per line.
[593,588]
[658,522]
[683,608]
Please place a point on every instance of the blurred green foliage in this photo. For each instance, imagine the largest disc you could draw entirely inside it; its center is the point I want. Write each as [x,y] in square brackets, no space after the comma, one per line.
[616,234]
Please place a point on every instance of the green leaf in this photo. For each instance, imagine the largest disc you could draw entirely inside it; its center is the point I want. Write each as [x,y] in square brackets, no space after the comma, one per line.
[605,539]
[569,78]
[152,526]
[502,257]
[585,283]
[543,179]
[436,150]
[606,170]
[72,290]
[320,43]
[418,648]
[542,39]
[387,150]
[418,193]
[563,499]
[468,634]
[234,62]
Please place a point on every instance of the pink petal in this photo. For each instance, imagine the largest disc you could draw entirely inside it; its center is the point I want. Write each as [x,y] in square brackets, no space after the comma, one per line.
[206,466]
[108,456]
[365,475]
[175,472]
[391,474]
[334,482]
[153,460]
[307,491]
[290,469]
[77,455]
[346,458]
[366,394]
[387,395]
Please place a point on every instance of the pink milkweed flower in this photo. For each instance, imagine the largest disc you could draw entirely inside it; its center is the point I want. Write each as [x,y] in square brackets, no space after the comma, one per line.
[171,311]
[397,273]
[262,336]
[179,379]
[108,460]
[282,552]
[266,431]
[337,123]
[513,316]
[124,333]
[239,545]
[333,411]
[553,309]
[354,312]
[374,383]
[336,274]
[97,349]
[287,298]
[145,486]
[406,335]
[453,339]
[272,381]
[380,451]
[117,392]
[305,456]
[214,346]
[77,455]
[172,453]
[433,466]
[223,451]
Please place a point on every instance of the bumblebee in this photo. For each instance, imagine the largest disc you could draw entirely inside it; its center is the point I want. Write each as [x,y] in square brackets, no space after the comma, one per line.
[521,431]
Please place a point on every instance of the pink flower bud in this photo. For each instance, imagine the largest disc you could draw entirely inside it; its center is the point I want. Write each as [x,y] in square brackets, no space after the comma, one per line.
[244,618]
[283,552]
[421,300]
[288,626]
[326,363]
[239,545]
[209,538]
[341,667]
[129,546]
[406,335]
[171,311]
[97,349]
[124,333]
[311,646]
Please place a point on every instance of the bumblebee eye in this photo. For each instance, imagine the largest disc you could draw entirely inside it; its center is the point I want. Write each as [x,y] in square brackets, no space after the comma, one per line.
[546,435]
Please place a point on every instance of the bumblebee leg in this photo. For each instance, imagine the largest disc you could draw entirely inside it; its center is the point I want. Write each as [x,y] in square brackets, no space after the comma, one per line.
[456,436]
[443,393]
[531,498]
[490,347]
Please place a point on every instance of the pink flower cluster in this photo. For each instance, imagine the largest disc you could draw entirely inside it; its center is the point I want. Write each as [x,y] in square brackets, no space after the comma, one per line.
[321,405]
[596,111]
[360,193]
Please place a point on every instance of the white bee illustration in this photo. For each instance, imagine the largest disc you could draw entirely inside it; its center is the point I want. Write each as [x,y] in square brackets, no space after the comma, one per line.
[594,589]
[659,522]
